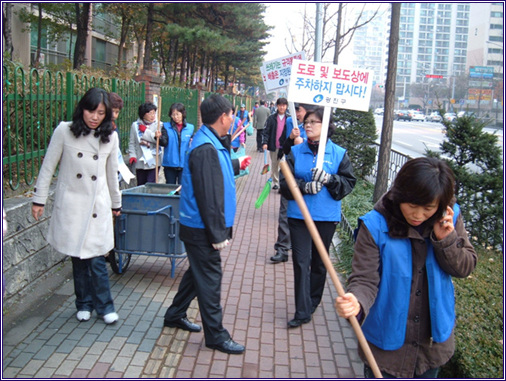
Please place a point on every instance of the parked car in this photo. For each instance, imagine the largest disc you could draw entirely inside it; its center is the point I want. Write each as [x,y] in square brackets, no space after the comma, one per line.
[379,111]
[418,116]
[450,116]
[466,113]
[434,117]
[403,115]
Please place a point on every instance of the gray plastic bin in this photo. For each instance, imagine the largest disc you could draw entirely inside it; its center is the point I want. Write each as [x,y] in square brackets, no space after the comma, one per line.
[149,224]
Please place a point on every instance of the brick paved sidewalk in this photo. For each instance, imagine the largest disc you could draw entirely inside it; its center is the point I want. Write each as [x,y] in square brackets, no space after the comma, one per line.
[258,301]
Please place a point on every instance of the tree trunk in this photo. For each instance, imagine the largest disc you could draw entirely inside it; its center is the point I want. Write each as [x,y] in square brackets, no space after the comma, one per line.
[338,34]
[381,185]
[182,67]
[7,28]
[125,25]
[83,11]
[148,64]
[174,71]
[82,26]
[39,36]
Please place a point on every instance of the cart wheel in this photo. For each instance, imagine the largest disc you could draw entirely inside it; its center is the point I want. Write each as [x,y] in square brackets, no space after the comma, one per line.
[115,259]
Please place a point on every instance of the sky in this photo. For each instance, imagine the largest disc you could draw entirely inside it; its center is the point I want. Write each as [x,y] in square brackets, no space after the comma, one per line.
[283,16]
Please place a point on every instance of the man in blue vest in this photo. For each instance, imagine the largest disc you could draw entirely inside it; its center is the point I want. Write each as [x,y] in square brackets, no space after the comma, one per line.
[207,211]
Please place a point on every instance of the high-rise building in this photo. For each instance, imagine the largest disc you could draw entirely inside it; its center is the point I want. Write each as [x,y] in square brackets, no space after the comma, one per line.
[485,59]
[432,42]
[369,48]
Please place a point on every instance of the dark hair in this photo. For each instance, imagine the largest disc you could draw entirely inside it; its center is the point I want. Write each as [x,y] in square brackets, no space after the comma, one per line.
[214,107]
[90,101]
[178,107]
[281,101]
[262,102]
[318,112]
[423,180]
[116,101]
[145,108]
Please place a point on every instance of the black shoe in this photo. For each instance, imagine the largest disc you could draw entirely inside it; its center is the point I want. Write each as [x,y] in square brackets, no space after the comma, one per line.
[229,346]
[279,258]
[275,187]
[182,323]
[298,322]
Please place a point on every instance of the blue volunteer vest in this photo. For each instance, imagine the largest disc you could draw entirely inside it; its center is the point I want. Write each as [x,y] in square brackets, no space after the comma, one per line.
[289,128]
[173,154]
[385,326]
[189,211]
[236,143]
[321,205]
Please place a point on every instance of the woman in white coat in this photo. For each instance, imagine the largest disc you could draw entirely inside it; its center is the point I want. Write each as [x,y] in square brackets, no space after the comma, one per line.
[87,196]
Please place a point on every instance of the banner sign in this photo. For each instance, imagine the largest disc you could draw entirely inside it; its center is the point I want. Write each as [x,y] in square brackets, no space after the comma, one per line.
[276,73]
[485,72]
[324,84]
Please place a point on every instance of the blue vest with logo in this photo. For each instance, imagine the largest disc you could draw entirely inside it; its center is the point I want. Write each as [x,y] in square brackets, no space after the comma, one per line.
[173,154]
[289,128]
[189,211]
[321,205]
[385,326]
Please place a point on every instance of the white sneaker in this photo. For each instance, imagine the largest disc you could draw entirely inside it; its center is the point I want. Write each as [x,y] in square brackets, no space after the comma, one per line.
[83,315]
[111,318]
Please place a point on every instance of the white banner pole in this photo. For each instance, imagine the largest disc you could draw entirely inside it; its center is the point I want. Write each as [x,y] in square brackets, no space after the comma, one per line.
[323,137]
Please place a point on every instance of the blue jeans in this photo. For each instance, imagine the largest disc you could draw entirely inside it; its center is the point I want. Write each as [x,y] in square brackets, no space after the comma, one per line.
[91,285]
[431,373]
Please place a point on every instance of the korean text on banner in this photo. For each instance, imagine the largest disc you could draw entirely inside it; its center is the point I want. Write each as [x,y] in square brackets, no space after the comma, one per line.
[276,73]
[329,85]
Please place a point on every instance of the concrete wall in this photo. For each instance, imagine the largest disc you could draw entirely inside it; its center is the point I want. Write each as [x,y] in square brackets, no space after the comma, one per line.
[27,258]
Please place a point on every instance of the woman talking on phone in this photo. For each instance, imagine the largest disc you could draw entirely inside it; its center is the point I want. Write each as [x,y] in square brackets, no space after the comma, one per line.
[406,251]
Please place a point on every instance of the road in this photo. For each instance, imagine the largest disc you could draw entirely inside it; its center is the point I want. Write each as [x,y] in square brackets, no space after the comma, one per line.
[414,138]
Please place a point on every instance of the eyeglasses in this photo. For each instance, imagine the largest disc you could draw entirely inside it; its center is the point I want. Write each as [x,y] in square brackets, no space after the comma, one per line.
[312,122]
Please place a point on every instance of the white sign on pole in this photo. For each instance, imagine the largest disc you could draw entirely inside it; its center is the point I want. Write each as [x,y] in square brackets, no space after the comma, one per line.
[324,84]
[276,73]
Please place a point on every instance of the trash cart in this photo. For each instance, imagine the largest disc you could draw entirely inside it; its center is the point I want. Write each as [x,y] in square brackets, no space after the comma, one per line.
[148,225]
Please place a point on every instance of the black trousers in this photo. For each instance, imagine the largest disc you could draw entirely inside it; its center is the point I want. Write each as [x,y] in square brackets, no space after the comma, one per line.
[259,139]
[282,244]
[201,280]
[308,268]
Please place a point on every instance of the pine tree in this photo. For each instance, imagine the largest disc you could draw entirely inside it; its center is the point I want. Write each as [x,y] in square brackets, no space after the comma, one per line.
[476,160]
[356,131]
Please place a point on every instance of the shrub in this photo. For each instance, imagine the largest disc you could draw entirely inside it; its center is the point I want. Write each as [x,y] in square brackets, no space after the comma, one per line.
[476,160]
[356,131]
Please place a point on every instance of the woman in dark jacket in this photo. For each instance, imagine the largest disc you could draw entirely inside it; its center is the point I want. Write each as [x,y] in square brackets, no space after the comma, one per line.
[406,252]
[322,190]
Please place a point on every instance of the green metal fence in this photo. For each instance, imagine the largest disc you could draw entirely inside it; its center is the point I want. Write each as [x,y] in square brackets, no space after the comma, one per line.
[188,97]
[35,102]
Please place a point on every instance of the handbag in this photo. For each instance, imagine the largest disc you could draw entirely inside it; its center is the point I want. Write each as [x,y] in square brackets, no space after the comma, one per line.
[249,130]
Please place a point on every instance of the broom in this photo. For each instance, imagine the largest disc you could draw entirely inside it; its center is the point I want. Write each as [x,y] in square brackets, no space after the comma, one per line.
[264,194]
[266,167]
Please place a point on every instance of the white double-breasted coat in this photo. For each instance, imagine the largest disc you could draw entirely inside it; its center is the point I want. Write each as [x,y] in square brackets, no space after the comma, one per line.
[87,190]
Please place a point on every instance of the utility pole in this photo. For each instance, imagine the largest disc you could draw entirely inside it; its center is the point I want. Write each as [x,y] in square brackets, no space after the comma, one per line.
[318,33]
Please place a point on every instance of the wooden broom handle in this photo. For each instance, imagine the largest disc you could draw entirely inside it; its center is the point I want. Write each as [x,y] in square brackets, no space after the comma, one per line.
[297,195]
[158,138]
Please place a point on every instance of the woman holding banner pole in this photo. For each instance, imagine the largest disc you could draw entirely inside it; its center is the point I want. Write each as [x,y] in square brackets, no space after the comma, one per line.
[322,190]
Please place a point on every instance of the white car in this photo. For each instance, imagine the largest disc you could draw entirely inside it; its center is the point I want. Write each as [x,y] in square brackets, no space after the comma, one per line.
[418,116]
[379,111]
[434,117]
[450,116]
